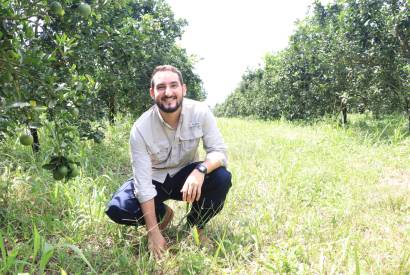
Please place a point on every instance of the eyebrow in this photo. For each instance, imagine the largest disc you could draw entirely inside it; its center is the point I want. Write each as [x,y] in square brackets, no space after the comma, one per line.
[162,83]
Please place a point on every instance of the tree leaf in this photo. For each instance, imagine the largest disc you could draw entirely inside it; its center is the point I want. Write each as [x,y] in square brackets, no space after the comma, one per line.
[49,166]
[19,105]
[35,125]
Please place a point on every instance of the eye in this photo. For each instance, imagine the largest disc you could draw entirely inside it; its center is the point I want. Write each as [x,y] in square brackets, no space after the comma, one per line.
[174,85]
[161,87]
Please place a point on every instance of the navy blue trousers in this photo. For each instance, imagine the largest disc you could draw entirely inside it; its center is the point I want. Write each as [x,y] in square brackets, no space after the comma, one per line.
[124,207]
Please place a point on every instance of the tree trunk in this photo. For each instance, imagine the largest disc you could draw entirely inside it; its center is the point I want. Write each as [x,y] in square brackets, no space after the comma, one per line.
[36,142]
[344,115]
[111,109]
[408,110]
[408,115]
[343,109]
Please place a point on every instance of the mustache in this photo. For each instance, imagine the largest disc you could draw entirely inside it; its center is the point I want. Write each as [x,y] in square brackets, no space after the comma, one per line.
[167,97]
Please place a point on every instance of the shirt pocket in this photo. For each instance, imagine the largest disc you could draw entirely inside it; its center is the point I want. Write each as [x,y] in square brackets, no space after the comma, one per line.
[159,152]
[190,140]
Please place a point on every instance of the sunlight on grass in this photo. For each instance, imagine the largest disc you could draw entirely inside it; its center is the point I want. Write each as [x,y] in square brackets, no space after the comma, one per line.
[306,198]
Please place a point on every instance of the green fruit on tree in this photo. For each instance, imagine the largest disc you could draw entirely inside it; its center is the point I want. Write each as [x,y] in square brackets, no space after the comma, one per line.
[26,140]
[33,103]
[74,172]
[57,175]
[63,170]
[84,9]
[75,112]
[56,8]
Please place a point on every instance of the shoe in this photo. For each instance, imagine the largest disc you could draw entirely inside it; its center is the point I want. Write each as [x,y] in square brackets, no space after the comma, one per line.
[169,214]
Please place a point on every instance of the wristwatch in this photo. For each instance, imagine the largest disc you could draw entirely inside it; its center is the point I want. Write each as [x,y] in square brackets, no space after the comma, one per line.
[202,168]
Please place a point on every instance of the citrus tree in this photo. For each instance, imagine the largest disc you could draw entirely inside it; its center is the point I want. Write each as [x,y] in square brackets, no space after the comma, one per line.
[347,55]
[67,63]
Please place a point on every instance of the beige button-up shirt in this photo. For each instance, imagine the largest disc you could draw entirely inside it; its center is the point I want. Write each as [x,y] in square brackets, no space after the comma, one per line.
[158,150]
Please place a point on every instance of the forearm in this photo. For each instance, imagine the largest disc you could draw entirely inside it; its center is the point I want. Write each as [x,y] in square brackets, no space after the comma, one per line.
[213,161]
[148,210]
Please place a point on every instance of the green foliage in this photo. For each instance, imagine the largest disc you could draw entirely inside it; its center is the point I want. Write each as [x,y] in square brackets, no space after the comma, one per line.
[348,53]
[69,64]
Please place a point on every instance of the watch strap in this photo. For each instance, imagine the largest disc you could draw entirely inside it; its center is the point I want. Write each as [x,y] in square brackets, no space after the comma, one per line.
[202,168]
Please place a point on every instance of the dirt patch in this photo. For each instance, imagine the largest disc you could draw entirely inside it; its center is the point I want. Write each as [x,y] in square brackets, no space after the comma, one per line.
[396,178]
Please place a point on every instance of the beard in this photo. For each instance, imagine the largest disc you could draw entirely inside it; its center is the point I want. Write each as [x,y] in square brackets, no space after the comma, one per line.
[168,108]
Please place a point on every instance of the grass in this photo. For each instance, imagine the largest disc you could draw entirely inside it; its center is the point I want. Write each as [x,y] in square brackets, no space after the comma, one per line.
[306,199]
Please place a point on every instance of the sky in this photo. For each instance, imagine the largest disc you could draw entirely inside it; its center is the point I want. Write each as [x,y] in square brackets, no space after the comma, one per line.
[230,36]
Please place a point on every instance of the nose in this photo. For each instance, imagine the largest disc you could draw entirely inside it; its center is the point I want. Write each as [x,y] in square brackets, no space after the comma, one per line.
[168,91]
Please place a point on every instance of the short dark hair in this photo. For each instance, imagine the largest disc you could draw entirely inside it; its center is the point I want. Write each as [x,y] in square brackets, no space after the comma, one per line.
[164,68]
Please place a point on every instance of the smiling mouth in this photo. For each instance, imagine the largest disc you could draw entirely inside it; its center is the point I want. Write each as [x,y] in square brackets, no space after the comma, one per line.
[168,99]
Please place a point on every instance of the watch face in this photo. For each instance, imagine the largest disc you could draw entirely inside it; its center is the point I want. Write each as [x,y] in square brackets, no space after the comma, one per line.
[201,168]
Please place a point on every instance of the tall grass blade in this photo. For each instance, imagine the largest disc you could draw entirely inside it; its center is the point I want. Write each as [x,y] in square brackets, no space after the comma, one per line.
[186,208]
[36,243]
[356,260]
[11,259]
[403,262]
[2,248]
[196,235]
[80,253]
[382,132]
[220,245]
[48,252]
[218,249]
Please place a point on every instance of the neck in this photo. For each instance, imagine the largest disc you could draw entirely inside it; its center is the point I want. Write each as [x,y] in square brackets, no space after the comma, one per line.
[171,118]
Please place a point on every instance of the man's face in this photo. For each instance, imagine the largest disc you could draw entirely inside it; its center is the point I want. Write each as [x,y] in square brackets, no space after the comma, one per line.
[167,92]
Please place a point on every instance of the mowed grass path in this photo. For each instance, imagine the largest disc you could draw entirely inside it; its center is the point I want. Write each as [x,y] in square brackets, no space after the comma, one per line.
[306,199]
[318,199]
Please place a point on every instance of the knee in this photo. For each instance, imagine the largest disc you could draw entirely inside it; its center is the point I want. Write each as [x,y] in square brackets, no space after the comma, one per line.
[222,179]
[123,208]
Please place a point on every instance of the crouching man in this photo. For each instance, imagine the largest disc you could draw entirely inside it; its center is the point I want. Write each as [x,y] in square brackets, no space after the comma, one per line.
[164,158]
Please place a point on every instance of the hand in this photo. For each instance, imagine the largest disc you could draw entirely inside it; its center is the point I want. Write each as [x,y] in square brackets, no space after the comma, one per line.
[192,187]
[156,244]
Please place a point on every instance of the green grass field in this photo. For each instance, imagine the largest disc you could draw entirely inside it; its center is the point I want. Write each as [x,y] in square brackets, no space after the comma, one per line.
[306,199]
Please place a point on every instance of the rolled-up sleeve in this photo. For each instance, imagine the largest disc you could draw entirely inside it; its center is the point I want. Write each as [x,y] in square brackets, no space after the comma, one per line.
[141,167]
[214,145]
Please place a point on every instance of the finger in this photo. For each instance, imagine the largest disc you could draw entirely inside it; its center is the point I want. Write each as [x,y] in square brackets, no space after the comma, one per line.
[161,250]
[194,193]
[190,191]
[158,254]
[153,252]
[183,190]
[198,194]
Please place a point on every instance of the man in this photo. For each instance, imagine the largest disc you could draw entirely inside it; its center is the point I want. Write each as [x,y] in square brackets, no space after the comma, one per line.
[164,158]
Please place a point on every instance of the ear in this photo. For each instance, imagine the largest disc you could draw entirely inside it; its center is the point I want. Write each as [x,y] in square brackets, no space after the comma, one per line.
[151,93]
[184,89]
